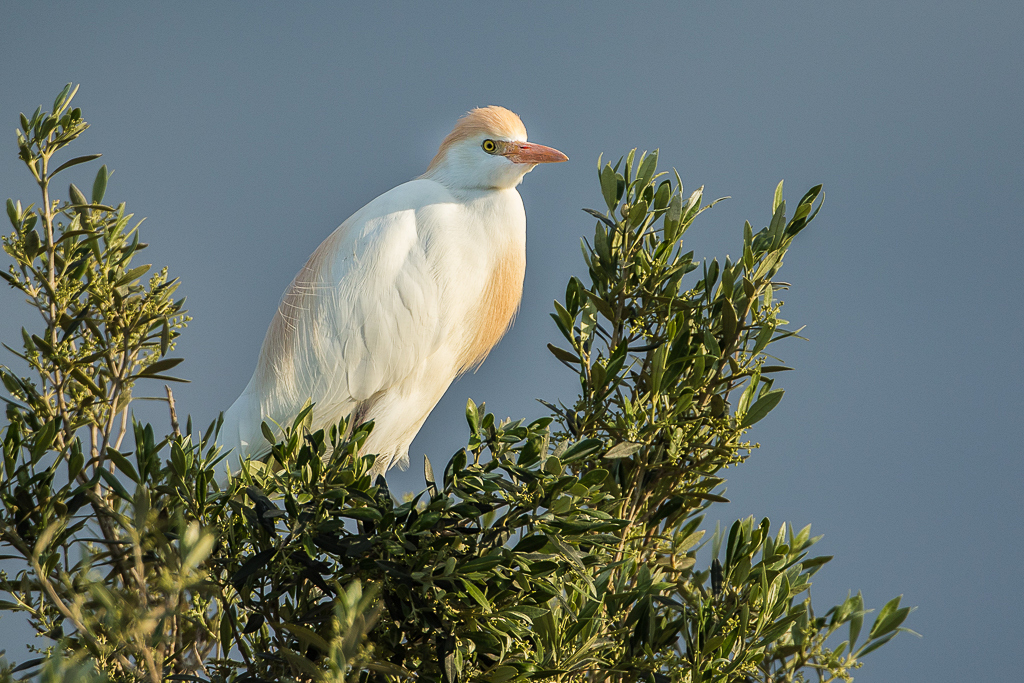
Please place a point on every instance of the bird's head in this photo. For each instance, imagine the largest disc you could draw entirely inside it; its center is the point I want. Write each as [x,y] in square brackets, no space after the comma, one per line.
[487,149]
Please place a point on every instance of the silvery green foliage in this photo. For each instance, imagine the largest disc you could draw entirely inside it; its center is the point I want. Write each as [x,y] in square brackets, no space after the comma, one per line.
[562,549]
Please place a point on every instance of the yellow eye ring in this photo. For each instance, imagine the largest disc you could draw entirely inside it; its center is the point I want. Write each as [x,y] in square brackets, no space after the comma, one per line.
[490,147]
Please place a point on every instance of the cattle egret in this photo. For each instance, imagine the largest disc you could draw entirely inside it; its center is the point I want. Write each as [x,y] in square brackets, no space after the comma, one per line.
[412,290]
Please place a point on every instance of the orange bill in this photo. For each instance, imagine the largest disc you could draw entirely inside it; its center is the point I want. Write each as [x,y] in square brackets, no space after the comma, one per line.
[530,153]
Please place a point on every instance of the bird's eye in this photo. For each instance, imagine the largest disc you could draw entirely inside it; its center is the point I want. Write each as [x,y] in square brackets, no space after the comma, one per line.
[489,146]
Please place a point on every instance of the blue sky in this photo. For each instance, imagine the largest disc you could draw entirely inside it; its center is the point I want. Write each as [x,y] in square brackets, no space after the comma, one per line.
[247,132]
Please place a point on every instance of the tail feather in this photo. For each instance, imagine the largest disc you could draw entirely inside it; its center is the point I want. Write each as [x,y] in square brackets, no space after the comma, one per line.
[241,430]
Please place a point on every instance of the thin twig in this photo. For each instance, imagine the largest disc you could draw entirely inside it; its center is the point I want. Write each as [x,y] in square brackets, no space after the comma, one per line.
[124,429]
[174,415]
[67,614]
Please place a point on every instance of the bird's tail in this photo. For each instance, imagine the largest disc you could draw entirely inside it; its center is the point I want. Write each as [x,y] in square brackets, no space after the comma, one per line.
[241,430]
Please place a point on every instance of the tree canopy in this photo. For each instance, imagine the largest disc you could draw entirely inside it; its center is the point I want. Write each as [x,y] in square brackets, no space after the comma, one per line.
[559,548]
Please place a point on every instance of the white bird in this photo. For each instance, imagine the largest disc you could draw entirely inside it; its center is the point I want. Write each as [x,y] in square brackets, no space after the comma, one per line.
[412,290]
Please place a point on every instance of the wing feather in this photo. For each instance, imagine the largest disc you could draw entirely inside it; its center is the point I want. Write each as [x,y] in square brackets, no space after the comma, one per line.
[361,315]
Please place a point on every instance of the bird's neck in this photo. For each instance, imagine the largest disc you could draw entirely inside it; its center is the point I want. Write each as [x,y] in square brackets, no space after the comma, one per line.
[484,262]
[499,301]
[463,177]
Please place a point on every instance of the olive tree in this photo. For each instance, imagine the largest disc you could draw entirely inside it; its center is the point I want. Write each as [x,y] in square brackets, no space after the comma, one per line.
[562,548]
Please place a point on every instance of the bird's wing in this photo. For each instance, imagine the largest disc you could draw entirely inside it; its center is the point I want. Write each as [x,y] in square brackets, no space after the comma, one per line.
[359,317]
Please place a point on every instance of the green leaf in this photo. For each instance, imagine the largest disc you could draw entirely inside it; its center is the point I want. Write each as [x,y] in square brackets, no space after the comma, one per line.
[601,245]
[46,536]
[762,407]
[714,497]
[778,197]
[889,619]
[394,670]
[301,663]
[99,186]
[588,320]
[637,213]
[75,462]
[44,439]
[564,319]
[58,103]
[563,355]
[165,338]
[729,320]
[797,225]
[306,636]
[253,623]
[622,450]
[94,388]
[594,477]
[225,628]
[451,668]
[14,214]
[690,541]
[601,217]
[580,449]
[455,466]
[711,276]
[658,367]
[481,564]
[609,187]
[873,645]
[748,394]
[47,126]
[300,418]
[774,368]
[472,416]
[857,620]
[75,162]
[252,565]
[711,344]
[122,464]
[133,275]
[32,243]
[363,514]
[142,507]
[531,544]
[663,195]
[816,561]
[428,476]
[77,198]
[764,336]
[777,629]
[199,552]
[500,674]
[115,484]
[554,466]
[168,378]
[475,593]
[673,217]
[647,169]
[810,195]
[602,306]
[268,434]
[777,224]
[160,366]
